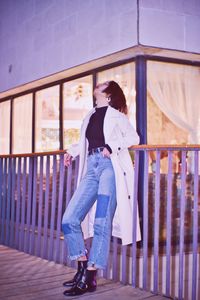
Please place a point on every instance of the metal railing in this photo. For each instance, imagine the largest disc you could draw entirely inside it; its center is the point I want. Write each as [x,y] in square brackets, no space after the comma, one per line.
[36,188]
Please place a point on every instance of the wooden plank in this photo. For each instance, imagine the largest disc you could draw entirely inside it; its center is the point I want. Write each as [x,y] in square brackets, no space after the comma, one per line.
[26,277]
[38,275]
[45,289]
[29,283]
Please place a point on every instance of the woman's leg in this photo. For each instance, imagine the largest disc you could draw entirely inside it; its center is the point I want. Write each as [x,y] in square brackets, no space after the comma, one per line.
[82,200]
[106,205]
[103,175]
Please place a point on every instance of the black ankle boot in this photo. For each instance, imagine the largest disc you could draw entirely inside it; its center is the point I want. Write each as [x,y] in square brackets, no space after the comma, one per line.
[82,265]
[86,284]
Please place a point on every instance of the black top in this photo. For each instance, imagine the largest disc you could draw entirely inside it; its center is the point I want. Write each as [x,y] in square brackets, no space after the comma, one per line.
[94,131]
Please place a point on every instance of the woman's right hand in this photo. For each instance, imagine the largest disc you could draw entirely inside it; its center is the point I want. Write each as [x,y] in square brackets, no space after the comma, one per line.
[67,159]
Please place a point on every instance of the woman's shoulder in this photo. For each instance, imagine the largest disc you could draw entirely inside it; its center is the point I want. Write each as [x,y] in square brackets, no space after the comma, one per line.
[89,113]
[116,113]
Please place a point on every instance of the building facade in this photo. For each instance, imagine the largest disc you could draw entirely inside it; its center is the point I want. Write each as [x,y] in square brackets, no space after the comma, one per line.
[53,52]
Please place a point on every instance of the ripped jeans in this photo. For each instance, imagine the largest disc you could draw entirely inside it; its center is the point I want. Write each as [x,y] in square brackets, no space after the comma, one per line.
[98,184]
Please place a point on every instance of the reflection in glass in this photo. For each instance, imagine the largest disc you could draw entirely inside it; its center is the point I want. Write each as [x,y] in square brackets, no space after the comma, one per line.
[125,76]
[47,119]
[77,101]
[4,127]
[22,124]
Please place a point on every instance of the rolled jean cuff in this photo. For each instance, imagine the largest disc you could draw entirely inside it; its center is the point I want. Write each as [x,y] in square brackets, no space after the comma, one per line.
[75,257]
[91,264]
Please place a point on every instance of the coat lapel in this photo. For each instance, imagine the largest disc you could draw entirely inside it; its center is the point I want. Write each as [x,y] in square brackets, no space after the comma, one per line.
[109,122]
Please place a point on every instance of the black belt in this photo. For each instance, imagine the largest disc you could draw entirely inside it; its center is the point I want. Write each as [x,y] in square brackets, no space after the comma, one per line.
[95,150]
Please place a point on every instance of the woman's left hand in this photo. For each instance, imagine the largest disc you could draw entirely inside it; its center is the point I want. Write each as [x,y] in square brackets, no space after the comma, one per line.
[106,153]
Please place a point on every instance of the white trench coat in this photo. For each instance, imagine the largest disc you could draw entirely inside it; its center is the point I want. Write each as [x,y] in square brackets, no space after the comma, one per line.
[119,135]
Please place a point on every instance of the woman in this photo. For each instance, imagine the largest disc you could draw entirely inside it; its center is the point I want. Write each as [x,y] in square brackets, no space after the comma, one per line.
[105,182]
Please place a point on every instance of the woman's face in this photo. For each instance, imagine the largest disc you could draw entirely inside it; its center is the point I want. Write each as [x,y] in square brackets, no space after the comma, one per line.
[98,91]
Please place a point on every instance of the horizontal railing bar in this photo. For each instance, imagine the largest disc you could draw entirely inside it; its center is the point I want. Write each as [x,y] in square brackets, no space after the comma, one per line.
[33,154]
[135,147]
[165,147]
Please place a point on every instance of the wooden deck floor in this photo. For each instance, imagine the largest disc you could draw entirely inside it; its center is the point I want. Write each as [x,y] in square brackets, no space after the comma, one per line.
[23,276]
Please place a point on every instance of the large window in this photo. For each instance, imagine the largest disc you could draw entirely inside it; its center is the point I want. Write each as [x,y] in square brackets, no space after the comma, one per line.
[173,104]
[125,76]
[77,101]
[47,120]
[22,124]
[173,108]
[4,127]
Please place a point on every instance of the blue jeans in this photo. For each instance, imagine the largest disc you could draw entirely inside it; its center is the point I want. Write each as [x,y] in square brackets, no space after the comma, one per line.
[98,184]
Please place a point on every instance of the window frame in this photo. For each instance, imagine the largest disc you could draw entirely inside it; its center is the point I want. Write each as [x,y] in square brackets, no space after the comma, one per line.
[140,85]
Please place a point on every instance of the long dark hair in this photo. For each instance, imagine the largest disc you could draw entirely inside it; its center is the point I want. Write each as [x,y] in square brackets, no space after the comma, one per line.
[117,97]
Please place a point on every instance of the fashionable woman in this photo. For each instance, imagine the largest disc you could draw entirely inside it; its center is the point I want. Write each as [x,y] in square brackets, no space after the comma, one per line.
[104,194]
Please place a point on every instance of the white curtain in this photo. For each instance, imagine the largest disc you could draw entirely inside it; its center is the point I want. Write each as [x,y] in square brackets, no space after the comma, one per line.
[47,119]
[4,127]
[176,90]
[22,124]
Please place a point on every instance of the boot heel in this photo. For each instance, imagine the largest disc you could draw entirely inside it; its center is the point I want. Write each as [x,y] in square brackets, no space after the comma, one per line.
[92,289]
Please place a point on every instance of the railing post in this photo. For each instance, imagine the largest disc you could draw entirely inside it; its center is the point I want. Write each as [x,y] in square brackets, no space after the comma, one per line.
[12,224]
[40,206]
[195,225]
[46,209]
[135,204]
[59,214]
[141,120]
[29,202]
[34,206]
[17,226]
[23,206]
[145,219]
[1,196]
[67,199]
[169,226]
[182,224]
[53,208]
[8,204]
[156,223]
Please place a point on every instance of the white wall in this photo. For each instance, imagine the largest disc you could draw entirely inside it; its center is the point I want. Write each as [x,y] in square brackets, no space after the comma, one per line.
[172,24]
[42,37]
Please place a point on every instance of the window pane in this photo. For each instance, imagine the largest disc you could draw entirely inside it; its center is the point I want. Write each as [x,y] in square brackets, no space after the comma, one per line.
[125,76]
[78,100]
[4,127]
[167,103]
[47,120]
[22,124]
[173,107]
